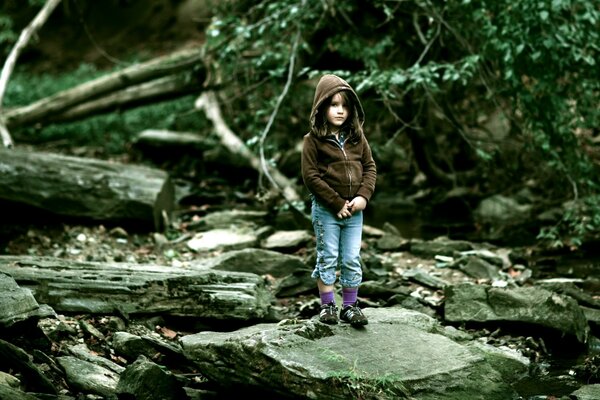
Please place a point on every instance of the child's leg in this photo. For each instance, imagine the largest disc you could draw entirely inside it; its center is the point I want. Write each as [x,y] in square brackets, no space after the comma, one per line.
[350,243]
[327,234]
[325,292]
[351,270]
[349,296]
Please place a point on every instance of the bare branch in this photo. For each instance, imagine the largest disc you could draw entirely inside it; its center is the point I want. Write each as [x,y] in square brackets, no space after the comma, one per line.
[263,136]
[11,60]
[208,102]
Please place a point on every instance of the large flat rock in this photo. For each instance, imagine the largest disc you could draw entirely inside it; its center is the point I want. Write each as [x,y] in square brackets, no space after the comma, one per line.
[400,354]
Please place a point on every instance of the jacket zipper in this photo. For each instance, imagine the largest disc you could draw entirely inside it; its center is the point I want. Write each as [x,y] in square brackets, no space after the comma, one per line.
[346,166]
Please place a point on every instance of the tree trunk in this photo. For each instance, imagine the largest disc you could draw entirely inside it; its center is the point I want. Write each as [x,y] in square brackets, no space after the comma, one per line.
[88,188]
[132,289]
[136,74]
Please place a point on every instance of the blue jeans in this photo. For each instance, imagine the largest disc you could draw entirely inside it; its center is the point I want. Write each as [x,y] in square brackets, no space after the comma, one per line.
[338,245]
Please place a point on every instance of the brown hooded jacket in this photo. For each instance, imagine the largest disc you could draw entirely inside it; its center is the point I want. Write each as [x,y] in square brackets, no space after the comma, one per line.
[331,172]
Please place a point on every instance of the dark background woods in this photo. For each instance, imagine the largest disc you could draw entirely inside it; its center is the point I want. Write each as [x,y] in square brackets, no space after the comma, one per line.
[464,101]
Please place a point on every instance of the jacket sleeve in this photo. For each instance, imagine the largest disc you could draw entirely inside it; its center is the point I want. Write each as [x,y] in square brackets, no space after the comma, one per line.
[369,177]
[313,180]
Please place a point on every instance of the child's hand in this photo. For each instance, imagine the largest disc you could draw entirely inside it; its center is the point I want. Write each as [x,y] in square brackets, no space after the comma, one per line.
[358,203]
[346,211]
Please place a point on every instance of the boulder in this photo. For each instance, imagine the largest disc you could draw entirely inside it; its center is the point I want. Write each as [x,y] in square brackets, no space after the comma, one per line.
[400,354]
[528,305]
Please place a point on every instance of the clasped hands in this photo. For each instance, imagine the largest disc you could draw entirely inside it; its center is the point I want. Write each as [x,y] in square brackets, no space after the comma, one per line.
[356,204]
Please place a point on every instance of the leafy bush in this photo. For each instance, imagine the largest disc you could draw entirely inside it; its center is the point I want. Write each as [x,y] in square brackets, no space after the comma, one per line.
[431,70]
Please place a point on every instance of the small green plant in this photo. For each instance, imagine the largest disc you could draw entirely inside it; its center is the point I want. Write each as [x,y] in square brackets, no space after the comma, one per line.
[579,222]
[361,384]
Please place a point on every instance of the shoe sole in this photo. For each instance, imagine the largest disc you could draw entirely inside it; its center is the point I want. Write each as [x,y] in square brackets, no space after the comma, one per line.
[358,323]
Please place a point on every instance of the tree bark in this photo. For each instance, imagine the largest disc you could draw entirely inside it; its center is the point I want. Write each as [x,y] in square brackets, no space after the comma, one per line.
[87,188]
[136,74]
[132,289]
[11,60]
[149,92]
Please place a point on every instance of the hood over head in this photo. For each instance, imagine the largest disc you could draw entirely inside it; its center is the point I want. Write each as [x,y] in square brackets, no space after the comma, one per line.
[329,85]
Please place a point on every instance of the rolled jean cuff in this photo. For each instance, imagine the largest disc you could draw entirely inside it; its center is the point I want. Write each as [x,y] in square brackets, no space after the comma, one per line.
[328,280]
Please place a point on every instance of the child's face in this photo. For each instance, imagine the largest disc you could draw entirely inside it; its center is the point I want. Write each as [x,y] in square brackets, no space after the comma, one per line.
[337,112]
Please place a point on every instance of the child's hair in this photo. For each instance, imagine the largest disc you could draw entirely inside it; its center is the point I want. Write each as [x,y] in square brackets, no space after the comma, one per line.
[352,125]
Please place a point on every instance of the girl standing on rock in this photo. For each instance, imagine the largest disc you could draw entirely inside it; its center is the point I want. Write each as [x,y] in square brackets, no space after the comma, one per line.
[339,171]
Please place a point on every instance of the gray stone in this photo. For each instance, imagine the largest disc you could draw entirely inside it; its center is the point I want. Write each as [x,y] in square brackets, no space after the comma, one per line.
[9,393]
[256,261]
[287,240]
[478,268]
[500,209]
[16,304]
[145,380]
[586,392]
[439,246]
[400,354]
[391,242]
[82,352]
[529,305]
[229,218]
[509,362]
[103,288]
[295,284]
[9,380]
[223,239]
[89,377]
[131,346]
[16,359]
[424,278]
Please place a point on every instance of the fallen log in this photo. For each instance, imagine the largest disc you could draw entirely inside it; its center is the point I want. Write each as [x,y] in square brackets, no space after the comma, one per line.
[88,188]
[161,89]
[133,289]
[136,74]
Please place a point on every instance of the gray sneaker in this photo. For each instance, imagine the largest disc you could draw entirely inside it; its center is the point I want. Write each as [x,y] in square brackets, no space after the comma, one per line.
[328,314]
[353,315]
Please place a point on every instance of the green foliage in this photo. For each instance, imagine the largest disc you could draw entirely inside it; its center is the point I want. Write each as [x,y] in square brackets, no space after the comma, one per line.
[20,91]
[580,222]
[7,36]
[435,68]
[545,54]
[537,61]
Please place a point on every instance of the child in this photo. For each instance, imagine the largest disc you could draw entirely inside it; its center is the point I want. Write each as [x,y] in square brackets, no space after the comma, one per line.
[339,171]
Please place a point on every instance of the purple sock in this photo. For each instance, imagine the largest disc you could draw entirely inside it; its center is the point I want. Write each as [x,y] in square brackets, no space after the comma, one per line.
[327,297]
[349,295]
